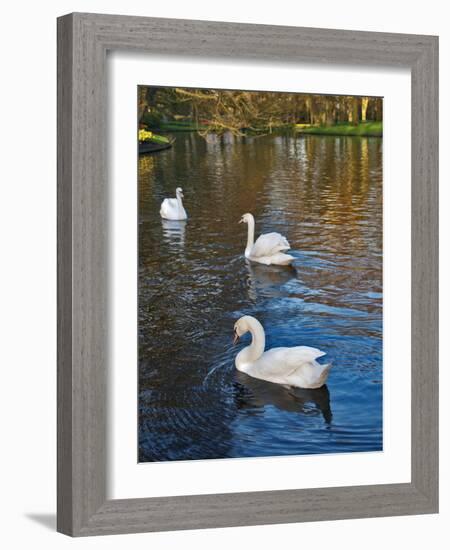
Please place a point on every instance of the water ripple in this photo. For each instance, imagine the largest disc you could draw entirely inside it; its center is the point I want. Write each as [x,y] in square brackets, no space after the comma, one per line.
[325,195]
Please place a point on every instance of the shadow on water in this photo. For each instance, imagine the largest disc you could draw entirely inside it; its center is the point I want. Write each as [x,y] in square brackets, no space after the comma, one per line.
[252,393]
[325,195]
[267,280]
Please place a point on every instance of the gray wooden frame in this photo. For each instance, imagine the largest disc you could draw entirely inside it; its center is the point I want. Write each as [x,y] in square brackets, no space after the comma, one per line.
[83,41]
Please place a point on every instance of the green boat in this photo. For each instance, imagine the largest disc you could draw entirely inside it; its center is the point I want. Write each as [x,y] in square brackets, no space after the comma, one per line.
[153,146]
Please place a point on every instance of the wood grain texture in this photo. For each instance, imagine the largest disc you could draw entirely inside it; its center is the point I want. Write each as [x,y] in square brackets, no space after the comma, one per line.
[64,329]
[83,41]
[424,275]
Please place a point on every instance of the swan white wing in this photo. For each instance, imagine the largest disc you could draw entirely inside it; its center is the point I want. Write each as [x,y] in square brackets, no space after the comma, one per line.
[171,210]
[169,204]
[283,363]
[269,244]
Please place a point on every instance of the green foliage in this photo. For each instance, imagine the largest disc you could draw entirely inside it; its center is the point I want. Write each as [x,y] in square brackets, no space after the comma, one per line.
[374,129]
[240,112]
[151,119]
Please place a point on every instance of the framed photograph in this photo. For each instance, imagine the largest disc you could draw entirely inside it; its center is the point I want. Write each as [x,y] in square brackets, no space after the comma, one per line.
[247,274]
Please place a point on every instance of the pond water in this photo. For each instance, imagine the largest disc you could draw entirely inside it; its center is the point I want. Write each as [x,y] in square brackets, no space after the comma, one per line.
[325,195]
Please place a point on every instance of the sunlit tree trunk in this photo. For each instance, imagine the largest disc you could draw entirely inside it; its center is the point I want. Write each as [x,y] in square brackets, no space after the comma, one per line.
[349,109]
[364,105]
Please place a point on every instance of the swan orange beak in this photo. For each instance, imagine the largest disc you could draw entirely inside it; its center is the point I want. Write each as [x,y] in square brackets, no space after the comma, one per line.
[236,338]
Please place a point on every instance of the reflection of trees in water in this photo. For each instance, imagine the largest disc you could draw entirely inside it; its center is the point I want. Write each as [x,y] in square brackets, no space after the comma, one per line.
[331,194]
[146,166]
[317,187]
[323,193]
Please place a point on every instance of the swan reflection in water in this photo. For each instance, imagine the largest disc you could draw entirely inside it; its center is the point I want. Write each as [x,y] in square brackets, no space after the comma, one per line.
[253,393]
[174,233]
[268,279]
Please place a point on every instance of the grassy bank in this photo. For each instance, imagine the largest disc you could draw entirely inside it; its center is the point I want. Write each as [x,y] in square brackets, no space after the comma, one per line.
[371,129]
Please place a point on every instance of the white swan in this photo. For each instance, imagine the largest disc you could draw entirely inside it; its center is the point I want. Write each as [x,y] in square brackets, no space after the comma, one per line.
[295,366]
[173,209]
[268,248]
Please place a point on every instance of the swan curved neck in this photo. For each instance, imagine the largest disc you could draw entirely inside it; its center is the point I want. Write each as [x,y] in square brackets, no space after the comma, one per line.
[250,236]
[179,200]
[254,351]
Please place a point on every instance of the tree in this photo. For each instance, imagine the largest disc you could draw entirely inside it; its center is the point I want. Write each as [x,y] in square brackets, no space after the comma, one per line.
[353,110]
[364,105]
[241,111]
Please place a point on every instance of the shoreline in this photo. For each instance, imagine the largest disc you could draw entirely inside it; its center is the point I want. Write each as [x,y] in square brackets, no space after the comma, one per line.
[363,129]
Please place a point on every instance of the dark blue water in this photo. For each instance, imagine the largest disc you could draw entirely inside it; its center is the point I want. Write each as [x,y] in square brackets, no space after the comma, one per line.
[325,195]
